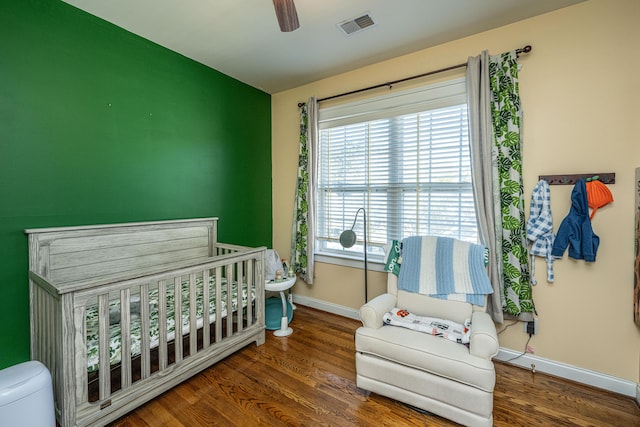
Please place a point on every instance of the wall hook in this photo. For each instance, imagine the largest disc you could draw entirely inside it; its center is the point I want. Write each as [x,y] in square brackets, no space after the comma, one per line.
[571,179]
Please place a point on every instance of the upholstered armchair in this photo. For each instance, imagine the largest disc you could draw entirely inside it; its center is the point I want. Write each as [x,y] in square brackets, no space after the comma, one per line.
[444,377]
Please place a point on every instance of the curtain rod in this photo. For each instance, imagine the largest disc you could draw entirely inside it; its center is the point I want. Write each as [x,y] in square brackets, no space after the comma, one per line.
[525,49]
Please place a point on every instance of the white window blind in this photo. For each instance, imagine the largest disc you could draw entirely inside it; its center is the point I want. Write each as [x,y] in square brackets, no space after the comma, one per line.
[405,159]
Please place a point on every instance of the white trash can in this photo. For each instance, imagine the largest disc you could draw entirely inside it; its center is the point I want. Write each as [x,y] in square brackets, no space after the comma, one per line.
[26,396]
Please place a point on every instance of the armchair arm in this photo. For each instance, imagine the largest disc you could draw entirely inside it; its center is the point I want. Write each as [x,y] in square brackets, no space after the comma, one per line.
[484,338]
[371,313]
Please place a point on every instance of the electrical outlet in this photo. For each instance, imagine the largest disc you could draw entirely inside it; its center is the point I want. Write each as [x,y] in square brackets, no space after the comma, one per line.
[531,328]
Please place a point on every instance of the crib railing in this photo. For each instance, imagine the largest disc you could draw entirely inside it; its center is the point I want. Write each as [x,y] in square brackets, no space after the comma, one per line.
[191,333]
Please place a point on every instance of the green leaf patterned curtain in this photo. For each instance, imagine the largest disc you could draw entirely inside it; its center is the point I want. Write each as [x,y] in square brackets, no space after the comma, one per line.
[302,235]
[507,116]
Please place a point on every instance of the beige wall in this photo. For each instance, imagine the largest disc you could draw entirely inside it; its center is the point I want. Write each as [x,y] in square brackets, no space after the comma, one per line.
[579,90]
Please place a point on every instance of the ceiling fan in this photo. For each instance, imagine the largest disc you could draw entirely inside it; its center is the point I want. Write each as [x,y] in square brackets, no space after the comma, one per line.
[287,15]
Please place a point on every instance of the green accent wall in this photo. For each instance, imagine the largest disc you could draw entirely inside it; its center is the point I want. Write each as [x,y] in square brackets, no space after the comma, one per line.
[98,125]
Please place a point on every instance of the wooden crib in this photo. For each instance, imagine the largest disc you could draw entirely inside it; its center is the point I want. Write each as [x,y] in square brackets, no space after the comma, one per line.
[119,313]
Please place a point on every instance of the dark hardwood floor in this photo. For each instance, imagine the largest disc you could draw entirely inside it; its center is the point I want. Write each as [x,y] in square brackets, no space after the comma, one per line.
[308,379]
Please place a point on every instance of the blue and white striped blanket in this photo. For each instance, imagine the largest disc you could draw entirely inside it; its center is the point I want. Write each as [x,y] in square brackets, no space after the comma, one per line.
[444,268]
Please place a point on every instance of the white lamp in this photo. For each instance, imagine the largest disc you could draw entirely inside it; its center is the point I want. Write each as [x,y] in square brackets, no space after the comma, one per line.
[348,239]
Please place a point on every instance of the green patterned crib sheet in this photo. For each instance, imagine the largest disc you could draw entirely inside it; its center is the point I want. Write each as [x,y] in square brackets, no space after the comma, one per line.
[92,318]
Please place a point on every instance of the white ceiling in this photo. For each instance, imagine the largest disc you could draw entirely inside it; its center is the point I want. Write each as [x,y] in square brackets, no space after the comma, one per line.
[241,38]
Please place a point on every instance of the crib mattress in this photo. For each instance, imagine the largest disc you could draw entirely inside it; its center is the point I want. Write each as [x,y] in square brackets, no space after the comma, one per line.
[92,318]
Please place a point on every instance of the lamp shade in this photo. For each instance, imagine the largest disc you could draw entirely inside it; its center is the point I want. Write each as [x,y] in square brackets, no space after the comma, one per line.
[348,238]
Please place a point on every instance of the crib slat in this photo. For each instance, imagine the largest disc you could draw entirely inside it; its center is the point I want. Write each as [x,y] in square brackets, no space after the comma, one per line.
[145,345]
[103,346]
[193,316]
[177,316]
[259,286]
[162,325]
[250,285]
[239,296]
[230,279]
[206,312]
[125,338]
[218,304]
[258,289]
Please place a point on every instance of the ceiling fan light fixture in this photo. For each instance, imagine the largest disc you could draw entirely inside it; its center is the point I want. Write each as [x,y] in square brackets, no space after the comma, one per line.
[287,15]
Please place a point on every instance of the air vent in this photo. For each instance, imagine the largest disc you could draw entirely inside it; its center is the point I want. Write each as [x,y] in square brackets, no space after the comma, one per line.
[355,25]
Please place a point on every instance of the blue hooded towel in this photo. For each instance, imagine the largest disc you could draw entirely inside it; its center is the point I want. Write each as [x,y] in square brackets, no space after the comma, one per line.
[575,229]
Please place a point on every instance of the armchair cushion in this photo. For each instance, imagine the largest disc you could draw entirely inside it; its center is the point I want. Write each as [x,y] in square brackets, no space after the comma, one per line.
[424,305]
[427,353]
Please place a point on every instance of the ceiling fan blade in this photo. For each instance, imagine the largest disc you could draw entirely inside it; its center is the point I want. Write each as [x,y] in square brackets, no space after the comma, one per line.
[287,15]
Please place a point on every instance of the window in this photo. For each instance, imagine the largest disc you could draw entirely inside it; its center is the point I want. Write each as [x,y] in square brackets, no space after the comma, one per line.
[405,158]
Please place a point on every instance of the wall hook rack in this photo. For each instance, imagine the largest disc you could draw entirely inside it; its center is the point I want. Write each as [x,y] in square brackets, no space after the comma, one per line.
[571,179]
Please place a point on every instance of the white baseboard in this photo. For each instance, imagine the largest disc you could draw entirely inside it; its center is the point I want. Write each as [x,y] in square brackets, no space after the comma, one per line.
[569,372]
[562,370]
[327,306]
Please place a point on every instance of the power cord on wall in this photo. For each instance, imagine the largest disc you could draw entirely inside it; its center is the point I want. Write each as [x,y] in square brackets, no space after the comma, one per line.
[508,326]
[526,345]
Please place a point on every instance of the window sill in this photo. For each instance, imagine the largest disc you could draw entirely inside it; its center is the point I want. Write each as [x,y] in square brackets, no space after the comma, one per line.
[349,262]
